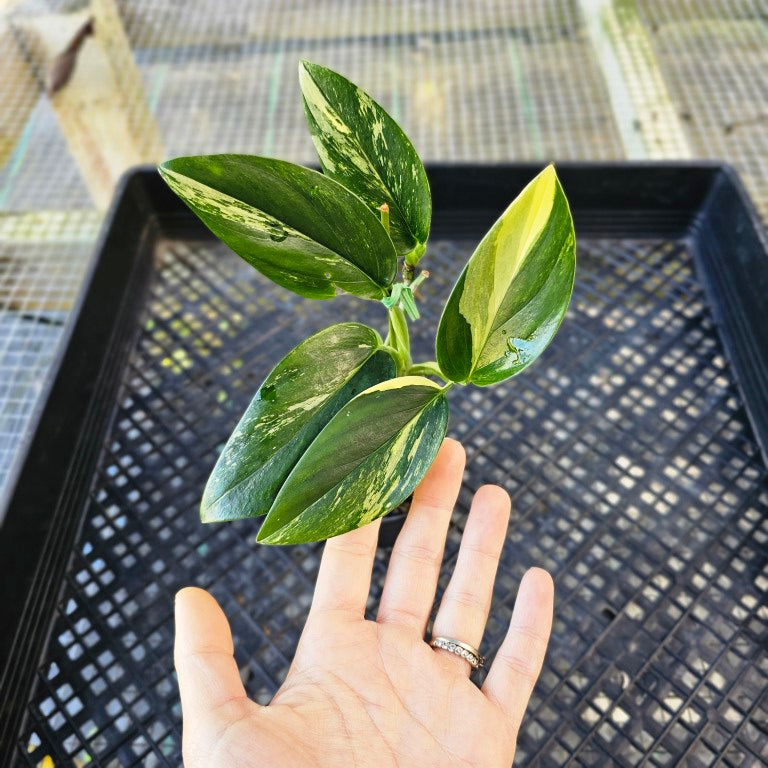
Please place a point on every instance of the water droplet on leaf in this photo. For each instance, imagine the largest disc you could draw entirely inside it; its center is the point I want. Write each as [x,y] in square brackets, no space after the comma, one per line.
[327,275]
[278,235]
[314,192]
[513,353]
[268,393]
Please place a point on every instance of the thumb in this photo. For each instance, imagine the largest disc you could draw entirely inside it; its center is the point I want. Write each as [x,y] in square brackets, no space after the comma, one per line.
[209,681]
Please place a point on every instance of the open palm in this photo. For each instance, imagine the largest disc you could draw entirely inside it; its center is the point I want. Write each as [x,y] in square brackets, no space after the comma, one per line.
[365,693]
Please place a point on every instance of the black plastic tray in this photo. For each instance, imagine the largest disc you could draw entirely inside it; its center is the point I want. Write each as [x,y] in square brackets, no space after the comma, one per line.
[636,474]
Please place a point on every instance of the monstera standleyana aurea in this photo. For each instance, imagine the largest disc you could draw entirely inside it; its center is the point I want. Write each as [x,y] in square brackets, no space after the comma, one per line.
[346,425]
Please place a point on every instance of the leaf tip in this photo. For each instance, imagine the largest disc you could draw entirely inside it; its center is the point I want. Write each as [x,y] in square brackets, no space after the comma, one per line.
[265,534]
[206,515]
[306,68]
[549,174]
[167,168]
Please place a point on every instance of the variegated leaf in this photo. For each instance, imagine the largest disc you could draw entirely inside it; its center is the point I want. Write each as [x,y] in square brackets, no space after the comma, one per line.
[296,226]
[361,146]
[512,296]
[365,462]
[292,406]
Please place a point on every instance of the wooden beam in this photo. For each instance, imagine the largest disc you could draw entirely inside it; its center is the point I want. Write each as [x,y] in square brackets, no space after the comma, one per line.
[102,109]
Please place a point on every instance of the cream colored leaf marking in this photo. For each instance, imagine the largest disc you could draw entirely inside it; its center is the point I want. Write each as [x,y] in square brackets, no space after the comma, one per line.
[377,130]
[266,425]
[269,424]
[385,481]
[399,383]
[308,404]
[210,200]
[395,457]
[338,133]
[383,476]
[387,465]
[392,467]
[330,122]
[529,348]
[370,507]
[501,254]
[281,419]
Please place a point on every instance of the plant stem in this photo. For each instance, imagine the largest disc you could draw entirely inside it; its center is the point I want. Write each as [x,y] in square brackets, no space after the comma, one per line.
[397,355]
[430,368]
[412,258]
[399,337]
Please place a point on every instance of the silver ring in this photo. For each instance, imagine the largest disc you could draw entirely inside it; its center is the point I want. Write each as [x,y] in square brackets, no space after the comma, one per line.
[465,650]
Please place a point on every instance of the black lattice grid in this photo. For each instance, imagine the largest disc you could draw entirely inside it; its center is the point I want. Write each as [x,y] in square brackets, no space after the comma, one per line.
[635,477]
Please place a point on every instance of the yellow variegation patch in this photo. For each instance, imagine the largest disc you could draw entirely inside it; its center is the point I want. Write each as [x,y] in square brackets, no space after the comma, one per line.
[294,403]
[365,462]
[511,298]
[501,254]
[296,226]
[362,147]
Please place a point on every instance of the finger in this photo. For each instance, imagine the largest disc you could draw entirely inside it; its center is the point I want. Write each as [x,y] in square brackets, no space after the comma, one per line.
[464,608]
[409,589]
[203,655]
[518,662]
[344,580]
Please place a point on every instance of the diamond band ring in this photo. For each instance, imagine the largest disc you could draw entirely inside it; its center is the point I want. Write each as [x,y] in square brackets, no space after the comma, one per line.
[466,651]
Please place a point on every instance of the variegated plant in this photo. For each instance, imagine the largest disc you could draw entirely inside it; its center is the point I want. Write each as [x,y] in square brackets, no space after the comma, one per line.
[346,425]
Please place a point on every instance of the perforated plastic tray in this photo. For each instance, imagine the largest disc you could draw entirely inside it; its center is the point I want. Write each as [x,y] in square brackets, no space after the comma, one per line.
[636,475]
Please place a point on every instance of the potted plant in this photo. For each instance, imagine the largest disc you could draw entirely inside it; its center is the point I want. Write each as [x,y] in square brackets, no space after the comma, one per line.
[347,423]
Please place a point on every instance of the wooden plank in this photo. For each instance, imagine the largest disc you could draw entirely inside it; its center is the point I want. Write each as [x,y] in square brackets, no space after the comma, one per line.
[102,109]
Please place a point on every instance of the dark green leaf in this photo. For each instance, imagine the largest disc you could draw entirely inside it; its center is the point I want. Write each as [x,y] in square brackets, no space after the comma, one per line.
[367,460]
[512,296]
[299,228]
[361,146]
[294,403]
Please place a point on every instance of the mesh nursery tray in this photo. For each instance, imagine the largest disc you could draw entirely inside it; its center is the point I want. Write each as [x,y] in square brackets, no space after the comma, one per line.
[631,449]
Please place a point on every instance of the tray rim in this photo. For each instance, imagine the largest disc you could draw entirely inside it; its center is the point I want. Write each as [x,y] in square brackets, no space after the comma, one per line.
[14,631]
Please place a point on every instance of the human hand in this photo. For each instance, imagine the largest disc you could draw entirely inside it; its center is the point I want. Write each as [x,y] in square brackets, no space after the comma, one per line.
[374,693]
